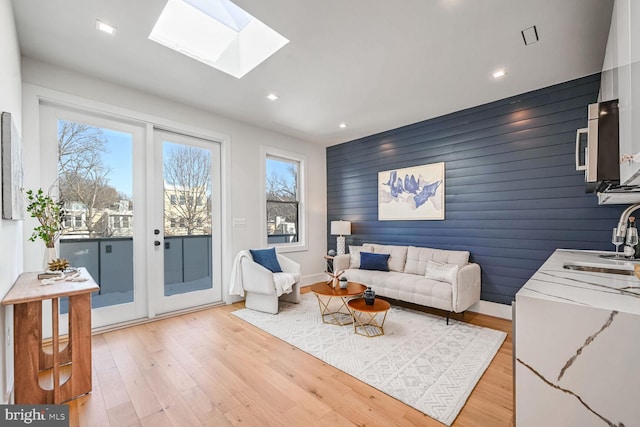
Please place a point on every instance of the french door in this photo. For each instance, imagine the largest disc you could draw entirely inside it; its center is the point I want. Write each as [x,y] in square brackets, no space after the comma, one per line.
[142,211]
[186,217]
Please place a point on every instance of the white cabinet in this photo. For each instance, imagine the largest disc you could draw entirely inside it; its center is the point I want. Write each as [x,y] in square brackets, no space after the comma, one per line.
[621,79]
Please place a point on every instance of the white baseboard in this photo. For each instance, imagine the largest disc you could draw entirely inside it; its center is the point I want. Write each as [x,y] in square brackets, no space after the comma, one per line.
[494,309]
[313,279]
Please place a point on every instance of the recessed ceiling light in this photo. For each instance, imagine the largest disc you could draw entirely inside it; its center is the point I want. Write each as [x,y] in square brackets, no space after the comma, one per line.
[272,96]
[342,125]
[499,73]
[105,28]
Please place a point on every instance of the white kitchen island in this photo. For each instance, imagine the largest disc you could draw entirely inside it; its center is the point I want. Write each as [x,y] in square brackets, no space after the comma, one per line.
[577,345]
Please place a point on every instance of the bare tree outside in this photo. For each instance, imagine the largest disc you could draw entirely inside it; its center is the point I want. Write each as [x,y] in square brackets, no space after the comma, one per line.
[282,199]
[83,178]
[283,185]
[79,146]
[187,176]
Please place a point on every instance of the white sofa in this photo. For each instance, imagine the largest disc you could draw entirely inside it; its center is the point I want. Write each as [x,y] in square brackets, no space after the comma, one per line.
[435,278]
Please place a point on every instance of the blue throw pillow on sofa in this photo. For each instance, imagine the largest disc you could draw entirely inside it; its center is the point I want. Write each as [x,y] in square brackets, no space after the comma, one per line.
[371,261]
[266,258]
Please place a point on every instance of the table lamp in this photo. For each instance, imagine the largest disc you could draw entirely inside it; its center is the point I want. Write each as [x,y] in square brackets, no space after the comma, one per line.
[341,229]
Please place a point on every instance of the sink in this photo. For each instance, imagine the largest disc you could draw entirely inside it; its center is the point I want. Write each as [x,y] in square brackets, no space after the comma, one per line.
[613,267]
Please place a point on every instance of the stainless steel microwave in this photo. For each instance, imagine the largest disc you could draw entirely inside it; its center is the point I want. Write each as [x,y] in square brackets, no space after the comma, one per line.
[597,145]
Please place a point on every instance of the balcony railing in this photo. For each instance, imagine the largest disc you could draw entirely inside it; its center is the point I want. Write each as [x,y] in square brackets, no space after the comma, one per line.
[110,261]
[282,238]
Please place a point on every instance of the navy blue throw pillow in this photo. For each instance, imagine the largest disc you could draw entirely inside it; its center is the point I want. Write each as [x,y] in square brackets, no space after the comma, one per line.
[370,261]
[267,258]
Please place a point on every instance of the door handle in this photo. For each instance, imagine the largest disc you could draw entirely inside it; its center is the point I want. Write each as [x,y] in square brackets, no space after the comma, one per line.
[157,243]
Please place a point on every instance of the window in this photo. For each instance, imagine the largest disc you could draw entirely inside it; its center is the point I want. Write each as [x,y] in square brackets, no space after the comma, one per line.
[78,221]
[172,222]
[173,199]
[283,196]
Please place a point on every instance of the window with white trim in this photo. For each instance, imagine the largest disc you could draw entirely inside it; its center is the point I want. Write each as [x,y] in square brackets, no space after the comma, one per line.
[283,196]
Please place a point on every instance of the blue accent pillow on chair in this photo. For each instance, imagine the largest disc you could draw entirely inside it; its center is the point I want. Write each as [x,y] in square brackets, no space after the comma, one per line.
[371,261]
[266,258]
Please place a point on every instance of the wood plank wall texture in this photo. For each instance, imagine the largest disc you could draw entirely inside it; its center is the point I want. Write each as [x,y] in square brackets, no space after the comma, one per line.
[512,193]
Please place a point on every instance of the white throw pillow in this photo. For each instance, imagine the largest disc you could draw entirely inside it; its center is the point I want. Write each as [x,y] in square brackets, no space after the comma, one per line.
[397,258]
[441,272]
[354,251]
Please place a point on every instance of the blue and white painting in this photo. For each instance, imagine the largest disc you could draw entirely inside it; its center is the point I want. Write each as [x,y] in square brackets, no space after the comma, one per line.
[415,193]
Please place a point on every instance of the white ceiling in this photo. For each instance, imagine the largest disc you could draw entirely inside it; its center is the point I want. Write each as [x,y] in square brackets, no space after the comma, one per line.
[373,64]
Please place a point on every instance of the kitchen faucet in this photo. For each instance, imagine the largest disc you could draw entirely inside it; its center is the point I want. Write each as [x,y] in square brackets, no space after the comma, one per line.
[622,224]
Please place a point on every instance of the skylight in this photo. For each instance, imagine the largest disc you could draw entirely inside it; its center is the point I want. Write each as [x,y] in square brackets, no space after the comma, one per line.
[217,33]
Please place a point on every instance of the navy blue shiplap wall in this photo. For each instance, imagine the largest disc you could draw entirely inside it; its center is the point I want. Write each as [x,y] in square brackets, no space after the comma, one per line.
[512,193]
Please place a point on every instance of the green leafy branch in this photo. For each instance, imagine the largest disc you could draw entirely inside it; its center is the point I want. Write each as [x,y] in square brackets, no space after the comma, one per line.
[49,213]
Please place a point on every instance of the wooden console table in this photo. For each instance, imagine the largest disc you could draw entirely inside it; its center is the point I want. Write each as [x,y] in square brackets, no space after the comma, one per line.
[44,375]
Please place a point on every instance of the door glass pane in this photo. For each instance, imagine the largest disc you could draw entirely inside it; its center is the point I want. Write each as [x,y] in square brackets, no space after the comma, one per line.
[96,185]
[187,218]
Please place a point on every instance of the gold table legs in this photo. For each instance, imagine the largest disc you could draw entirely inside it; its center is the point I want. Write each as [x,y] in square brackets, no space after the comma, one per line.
[367,324]
[337,316]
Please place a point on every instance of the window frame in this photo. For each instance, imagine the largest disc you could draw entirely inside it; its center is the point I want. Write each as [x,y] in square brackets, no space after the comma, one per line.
[279,154]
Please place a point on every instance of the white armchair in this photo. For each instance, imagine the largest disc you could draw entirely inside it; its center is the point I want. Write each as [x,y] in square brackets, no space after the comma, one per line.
[262,292]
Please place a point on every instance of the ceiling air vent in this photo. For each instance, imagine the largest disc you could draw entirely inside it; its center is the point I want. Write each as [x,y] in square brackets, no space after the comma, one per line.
[530,35]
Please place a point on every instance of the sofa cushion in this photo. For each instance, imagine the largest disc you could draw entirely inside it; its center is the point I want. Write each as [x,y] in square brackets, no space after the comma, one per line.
[417,259]
[371,261]
[266,258]
[405,287]
[354,251]
[397,258]
[441,272]
[354,261]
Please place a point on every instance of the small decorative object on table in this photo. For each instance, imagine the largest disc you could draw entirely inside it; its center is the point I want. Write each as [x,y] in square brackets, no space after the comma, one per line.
[56,269]
[344,283]
[60,264]
[331,252]
[369,296]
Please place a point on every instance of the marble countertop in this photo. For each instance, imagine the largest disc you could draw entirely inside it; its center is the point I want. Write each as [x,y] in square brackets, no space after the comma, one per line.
[593,289]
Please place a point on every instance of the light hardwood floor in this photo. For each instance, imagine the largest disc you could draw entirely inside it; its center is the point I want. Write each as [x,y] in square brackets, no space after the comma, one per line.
[209,368]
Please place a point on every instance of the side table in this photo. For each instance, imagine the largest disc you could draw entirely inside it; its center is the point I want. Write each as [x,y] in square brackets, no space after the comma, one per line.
[366,318]
[55,376]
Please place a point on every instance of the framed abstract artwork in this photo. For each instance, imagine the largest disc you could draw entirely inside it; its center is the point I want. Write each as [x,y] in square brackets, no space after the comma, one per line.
[415,193]
[12,201]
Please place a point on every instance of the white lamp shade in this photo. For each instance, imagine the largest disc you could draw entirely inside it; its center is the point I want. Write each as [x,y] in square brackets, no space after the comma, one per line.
[341,228]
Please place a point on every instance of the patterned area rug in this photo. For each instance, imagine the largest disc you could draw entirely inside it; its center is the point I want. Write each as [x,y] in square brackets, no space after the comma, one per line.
[420,360]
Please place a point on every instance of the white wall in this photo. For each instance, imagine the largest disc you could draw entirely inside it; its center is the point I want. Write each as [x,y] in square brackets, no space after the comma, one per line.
[241,158]
[10,231]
